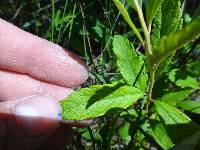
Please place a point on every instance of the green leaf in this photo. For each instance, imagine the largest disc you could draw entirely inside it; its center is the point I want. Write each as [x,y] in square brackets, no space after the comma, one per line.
[181,79]
[152,6]
[190,143]
[168,20]
[98,28]
[176,122]
[98,100]
[124,132]
[171,17]
[127,18]
[158,132]
[170,114]
[169,44]
[173,98]
[193,106]
[156,29]
[130,63]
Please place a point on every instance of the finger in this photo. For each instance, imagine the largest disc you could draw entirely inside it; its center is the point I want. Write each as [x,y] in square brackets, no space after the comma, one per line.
[28,121]
[23,52]
[15,85]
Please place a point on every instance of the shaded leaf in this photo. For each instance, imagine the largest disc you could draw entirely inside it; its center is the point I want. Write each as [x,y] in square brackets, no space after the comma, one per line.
[130,63]
[176,122]
[158,132]
[98,100]
[190,143]
[169,44]
[168,20]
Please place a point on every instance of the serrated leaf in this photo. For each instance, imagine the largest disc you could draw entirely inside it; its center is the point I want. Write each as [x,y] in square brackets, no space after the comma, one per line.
[152,6]
[130,63]
[159,133]
[193,106]
[168,20]
[181,79]
[98,100]
[169,44]
[127,18]
[173,98]
[171,17]
[176,122]
[156,29]
[170,114]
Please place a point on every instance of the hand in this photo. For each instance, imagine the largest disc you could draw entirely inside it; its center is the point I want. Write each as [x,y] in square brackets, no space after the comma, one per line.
[34,75]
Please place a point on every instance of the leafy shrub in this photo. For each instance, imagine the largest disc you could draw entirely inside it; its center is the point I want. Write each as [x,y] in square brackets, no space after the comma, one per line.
[156,118]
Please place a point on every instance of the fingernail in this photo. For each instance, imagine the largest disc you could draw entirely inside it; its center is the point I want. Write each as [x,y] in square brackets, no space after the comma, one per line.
[37,114]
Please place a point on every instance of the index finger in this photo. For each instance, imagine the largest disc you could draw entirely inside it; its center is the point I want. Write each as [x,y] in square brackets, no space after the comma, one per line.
[26,53]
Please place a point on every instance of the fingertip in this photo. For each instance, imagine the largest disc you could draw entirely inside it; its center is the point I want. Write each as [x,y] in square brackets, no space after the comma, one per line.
[37,115]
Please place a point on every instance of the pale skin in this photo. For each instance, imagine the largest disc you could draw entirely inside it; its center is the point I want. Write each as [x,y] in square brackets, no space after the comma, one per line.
[35,75]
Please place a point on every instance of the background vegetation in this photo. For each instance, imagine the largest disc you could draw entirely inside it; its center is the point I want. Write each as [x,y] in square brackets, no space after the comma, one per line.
[87,28]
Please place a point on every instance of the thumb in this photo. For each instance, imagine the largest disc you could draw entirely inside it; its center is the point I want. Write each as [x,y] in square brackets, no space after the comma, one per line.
[28,121]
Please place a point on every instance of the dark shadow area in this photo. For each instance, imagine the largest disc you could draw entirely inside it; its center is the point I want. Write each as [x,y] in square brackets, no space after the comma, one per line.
[195,117]
[139,74]
[15,135]
[114,111]
[102,93]
[180,75]
[29,132]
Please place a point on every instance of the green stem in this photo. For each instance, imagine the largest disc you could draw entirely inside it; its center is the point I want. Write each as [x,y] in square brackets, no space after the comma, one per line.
[144,28]
[151,84]
[148,51]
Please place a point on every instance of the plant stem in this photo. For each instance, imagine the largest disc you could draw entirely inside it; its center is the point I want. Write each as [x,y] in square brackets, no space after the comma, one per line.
[148,51]
[144,28]
[151,84]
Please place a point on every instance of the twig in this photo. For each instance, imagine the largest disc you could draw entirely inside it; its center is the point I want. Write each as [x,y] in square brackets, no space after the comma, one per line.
[17,12]
[88,39]
[46,7]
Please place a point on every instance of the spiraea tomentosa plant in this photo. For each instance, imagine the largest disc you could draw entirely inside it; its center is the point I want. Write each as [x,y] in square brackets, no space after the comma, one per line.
[157,118]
